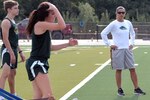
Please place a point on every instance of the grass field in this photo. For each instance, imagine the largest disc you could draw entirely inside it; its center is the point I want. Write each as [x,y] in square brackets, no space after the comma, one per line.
[68,67]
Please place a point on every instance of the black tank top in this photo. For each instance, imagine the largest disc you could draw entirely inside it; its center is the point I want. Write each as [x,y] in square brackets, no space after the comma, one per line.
[13,36]
[41,46]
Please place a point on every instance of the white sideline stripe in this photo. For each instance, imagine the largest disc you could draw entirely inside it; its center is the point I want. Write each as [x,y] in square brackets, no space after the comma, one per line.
[83,82]
[67,95]
[135,48]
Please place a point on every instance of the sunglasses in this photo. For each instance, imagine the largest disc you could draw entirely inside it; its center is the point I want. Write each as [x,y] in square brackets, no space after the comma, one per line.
[120,12]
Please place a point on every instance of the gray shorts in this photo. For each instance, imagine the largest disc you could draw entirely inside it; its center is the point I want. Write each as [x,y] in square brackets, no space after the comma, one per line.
[122,59]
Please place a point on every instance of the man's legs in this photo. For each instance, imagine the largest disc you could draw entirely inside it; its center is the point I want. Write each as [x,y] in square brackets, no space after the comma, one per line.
[134,77]
[11,81]
[118,81]
[118,78]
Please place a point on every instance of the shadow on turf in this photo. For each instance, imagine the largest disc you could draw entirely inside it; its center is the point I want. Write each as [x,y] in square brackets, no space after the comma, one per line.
[134,97]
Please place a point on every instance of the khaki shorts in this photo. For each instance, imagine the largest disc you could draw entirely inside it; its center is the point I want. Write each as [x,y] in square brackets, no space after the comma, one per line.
[122,59]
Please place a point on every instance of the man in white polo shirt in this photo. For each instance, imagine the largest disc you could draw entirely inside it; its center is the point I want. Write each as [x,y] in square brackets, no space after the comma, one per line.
[121,48]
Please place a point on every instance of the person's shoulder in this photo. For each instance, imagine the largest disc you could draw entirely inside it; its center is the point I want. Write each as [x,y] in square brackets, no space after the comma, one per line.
[113,22]
[5,22]
[128,21]
[40,25]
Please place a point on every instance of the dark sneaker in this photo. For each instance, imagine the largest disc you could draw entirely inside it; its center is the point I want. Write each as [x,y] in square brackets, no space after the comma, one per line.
[138,91]
[120,92]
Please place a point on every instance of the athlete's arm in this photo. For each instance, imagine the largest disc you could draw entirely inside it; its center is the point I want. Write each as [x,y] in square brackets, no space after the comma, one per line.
[5,33]
[72,42]
[49,24]
[132,34]
[22,56]
[104,34]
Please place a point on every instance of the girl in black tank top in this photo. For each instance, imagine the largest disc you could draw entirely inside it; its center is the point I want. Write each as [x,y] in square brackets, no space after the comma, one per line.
[40,22]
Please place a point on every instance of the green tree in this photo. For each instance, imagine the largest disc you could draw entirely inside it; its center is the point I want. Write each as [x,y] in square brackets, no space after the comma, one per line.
[137,10]
[87,13]
[2,12]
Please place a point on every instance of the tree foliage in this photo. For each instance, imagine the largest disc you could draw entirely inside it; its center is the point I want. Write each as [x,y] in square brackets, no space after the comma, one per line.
[137,10]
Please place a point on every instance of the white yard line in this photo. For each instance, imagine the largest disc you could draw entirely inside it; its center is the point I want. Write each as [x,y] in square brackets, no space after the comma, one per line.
[83,82]
[67,95]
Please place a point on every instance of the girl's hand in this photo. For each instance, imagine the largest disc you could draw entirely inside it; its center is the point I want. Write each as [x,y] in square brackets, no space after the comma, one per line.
[12,58]
[73,42]
[22,57]
[113,47]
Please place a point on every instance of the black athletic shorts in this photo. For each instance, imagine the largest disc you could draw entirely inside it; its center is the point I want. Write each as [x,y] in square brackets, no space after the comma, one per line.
[34,66]
[5,57]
